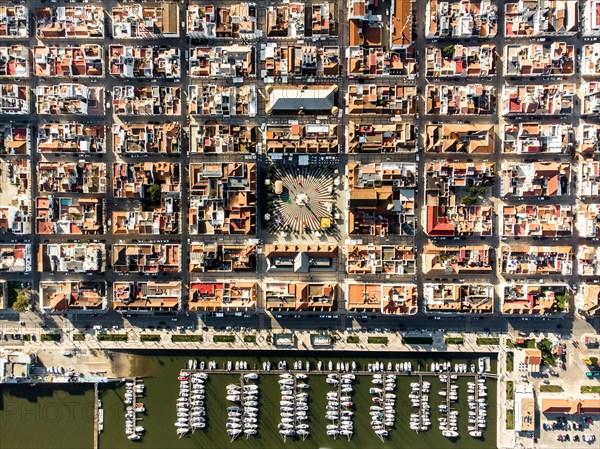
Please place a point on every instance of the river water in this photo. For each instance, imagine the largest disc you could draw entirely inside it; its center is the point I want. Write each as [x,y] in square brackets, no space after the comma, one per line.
[42,417]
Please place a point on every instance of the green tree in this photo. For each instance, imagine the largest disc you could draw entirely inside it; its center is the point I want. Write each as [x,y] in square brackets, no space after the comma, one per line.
[448,51]
[22,303]
[154,191]
[468,200]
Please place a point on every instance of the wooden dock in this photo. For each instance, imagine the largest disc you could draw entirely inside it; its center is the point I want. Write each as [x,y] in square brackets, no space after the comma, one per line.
[96,417]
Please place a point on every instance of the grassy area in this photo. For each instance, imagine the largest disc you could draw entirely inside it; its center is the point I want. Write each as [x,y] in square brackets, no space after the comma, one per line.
[547,357]
[150,337]
[562,302]
[378,340]
[50,337]
[78,337]
[510,361]
[510,390]
[112,337]
[488,341]
[455,340]
[26,337]
[250,338]
[551,389]
[353,339]
[510,344]
[590,389]
[510,419]
[417,340]
[224,338]
[186,338]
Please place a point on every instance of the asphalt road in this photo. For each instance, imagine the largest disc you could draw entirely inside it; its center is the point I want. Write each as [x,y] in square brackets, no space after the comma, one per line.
[495,322]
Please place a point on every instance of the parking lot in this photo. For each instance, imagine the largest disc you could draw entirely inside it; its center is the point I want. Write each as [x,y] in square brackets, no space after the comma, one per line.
[569,431]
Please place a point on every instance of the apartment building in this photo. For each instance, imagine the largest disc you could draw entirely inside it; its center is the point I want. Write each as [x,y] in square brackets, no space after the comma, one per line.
[529,179]
[222,257]
[147,296]
[363,99]
[76,257]
[381,198]
[588,260]
[81,61]
[460,60]
[301,258]
[135,21]
[556,58]
[469,138]
[222,198]
[380,259]
[135,180]
[461,19]
[456,198]
[590,56]
[228,61]
[529,220]
[536,260]
[70,22]
[299,60]
[15,258]
[146,100]
[451,260]
[387,299]
[222,138]
[591,17]
[162,218]
[323,20]
[468,99]
[73,137]
[588,220]
[146,258]
[71,177]
[15,139]
[300,297]
[14,99]
[526,18]
[73,296]
[381,138]
[226,101]
[590,98]
[534,299]
[14,60]
[15,201]
[285,21]
[301,138]
[459,298]
[147,138]
[70,99]
[237,21]
[588,181]
[381,61]
[589,139]
[549,99]
[69,215]
[535,137]
[14,22]
[144,61]
[235,296]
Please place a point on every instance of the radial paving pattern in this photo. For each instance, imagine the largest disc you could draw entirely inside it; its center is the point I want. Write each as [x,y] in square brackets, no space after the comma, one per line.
[306,199]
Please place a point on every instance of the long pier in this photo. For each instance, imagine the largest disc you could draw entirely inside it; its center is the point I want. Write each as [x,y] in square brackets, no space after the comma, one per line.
[96,417]
[325,372]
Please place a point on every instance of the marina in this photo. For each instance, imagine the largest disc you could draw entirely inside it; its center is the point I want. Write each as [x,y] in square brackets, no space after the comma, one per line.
[134,389]
[293,406]
[162,389]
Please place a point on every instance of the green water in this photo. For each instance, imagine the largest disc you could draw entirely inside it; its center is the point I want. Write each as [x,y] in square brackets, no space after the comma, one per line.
[44,417]
[162,389]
